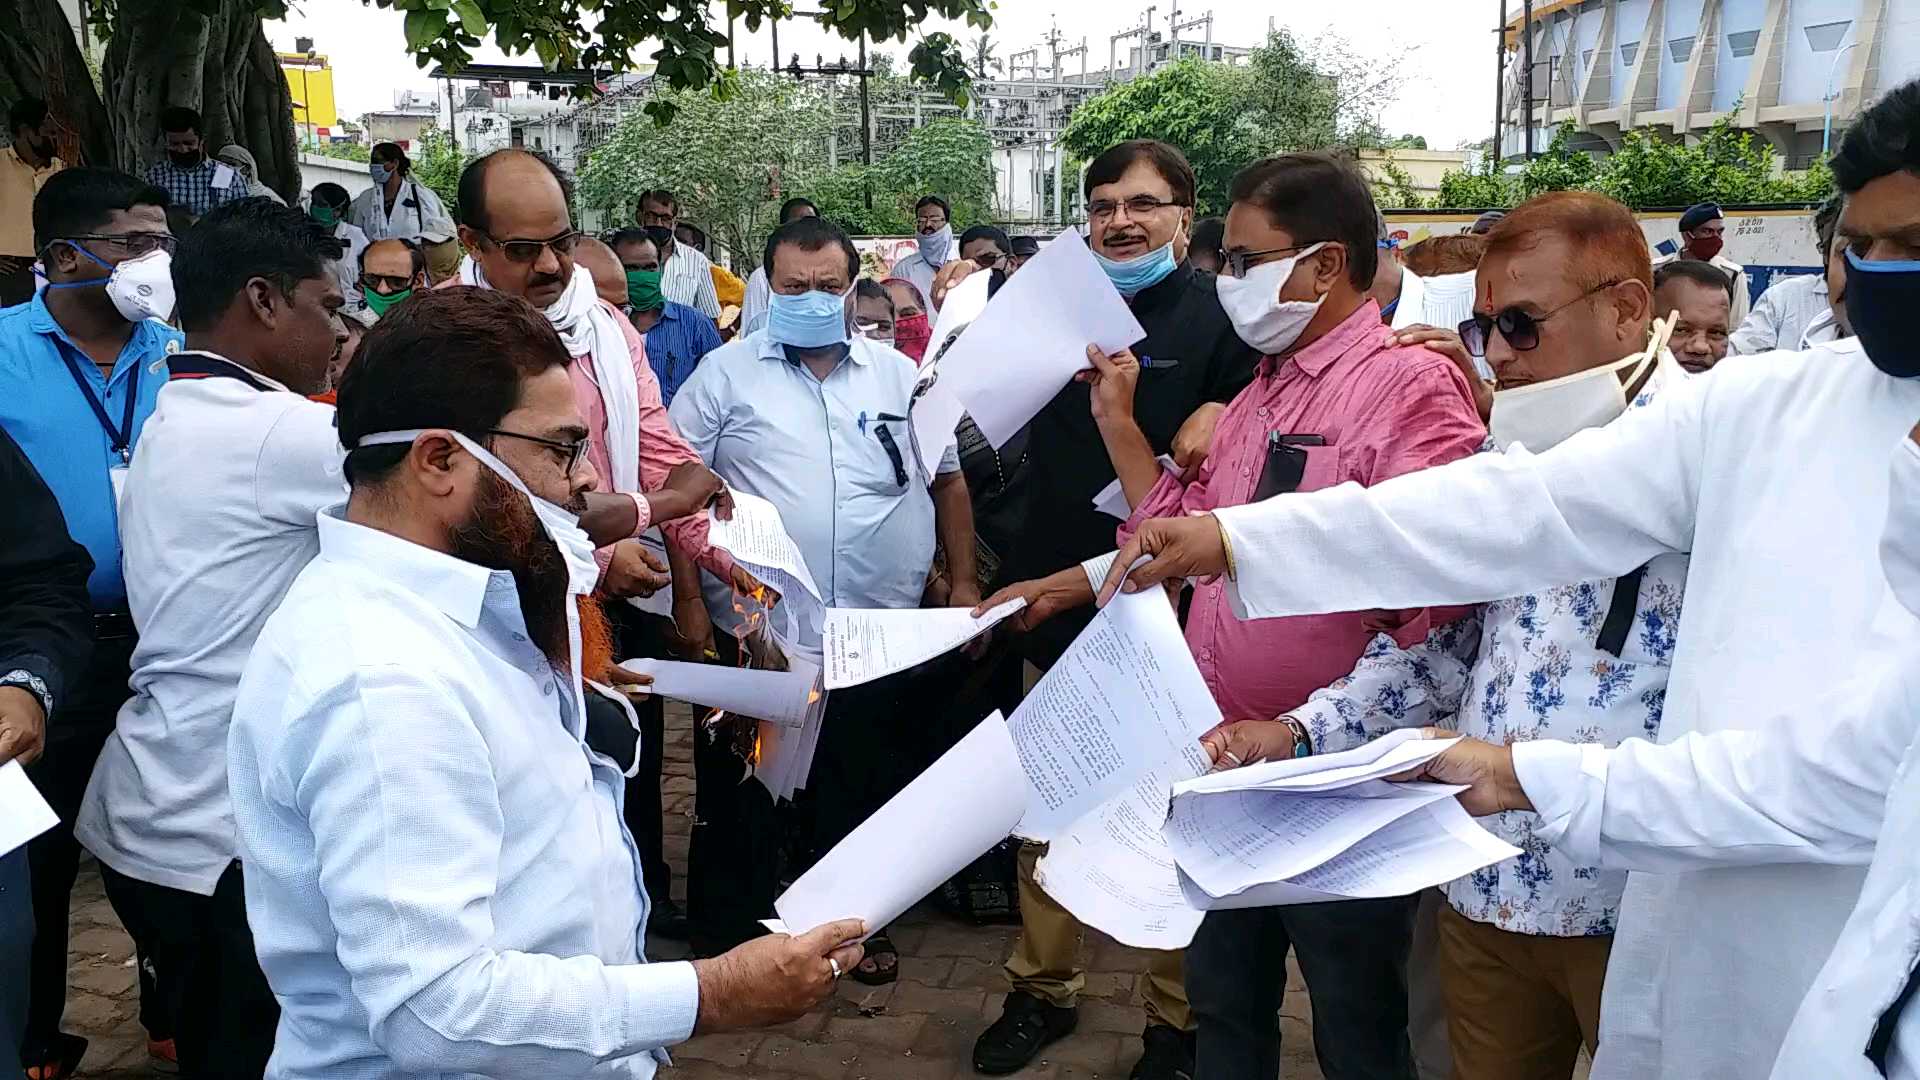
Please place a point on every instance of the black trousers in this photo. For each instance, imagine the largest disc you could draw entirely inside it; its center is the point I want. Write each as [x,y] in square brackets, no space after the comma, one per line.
[16,944]
[733,855]
[226,1013]
[643,635]
[1354,958]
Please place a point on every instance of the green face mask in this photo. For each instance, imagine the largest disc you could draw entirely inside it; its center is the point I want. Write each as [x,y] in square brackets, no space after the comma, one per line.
[326,215]
[379,303]
[643,290]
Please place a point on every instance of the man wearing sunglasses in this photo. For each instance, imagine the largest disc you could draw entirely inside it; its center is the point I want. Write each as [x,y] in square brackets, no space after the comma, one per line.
[76,387]
[390,271]
[1772,473]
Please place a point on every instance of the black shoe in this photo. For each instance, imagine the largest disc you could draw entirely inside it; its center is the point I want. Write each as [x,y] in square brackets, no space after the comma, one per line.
[666,920]
[1169,1055]
[1026,1026]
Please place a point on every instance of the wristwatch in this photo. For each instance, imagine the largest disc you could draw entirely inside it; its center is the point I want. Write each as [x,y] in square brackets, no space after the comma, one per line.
[32,684]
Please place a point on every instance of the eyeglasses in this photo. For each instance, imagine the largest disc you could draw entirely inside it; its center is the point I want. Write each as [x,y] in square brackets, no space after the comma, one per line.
[574,450]
[527,251]
[1138,206]
[1238,264]
[1521,330]
[131,244]
[385,283]
[989,260]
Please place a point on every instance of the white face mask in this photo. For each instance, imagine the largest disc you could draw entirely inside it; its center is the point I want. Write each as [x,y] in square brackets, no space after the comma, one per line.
[1900,540]
[1545,414]
[1260,317]
[140,288]
[562,525]
[936,246]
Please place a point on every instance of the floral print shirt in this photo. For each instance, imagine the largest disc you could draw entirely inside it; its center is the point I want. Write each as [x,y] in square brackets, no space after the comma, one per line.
[1528,667]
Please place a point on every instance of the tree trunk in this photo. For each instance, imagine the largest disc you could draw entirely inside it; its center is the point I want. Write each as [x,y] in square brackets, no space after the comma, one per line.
[164,52]
[39,57]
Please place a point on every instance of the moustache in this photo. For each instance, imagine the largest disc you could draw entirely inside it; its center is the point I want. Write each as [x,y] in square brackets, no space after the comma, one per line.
[1121,236]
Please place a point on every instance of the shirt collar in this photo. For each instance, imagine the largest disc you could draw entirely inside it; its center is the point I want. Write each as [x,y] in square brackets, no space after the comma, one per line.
[1316,358]
[41,321]
[200,364]
[667,314]
[455,586]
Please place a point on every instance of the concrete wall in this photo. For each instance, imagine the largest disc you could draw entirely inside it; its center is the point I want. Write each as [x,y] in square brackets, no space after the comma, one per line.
[318,169]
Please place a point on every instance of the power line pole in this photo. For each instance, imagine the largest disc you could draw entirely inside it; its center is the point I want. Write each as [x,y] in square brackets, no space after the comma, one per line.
[1527,78]
[1499,78]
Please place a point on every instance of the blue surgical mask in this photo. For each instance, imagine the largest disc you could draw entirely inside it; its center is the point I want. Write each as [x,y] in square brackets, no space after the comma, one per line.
[380,171]
[1881,300]
[1140,273]
[811,320]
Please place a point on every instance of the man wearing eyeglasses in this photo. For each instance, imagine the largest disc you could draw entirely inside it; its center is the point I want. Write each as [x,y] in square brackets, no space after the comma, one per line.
[516,227]
[390,271]
[1773,475]
[76,387]
[1335,400]
[218,517]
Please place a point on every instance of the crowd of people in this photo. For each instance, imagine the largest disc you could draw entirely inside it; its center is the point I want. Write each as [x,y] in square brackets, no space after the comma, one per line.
[332,523]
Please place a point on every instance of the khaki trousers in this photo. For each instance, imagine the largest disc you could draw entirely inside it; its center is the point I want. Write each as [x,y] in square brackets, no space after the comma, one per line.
[1519,1006]
[1045,960]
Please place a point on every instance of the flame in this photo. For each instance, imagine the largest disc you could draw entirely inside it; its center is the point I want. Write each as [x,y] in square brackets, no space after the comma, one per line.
[813,695]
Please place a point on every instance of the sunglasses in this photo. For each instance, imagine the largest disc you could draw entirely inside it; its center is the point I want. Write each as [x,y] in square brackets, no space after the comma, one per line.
[573,450]
[385,283]
[1521,330]
[527,251]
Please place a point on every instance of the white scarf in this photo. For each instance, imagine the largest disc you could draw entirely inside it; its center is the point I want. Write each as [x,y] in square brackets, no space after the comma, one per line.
[589,328]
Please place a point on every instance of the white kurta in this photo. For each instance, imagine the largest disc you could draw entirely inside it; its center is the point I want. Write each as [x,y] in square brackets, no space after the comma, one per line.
[1773,474]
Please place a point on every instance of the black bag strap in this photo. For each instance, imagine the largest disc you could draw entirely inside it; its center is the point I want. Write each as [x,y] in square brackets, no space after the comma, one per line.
[1620,612]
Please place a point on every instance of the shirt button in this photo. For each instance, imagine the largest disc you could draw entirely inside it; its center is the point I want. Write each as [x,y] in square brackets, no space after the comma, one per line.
[1263,412]
[547,690]
[1206,654]
[519,637]
[1245,471]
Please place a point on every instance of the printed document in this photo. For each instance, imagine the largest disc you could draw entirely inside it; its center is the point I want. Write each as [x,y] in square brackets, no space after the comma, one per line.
[1113,870]
[964,803]
[864,644]
[1125,699]
[1033,336]
[756,536]
[23,813]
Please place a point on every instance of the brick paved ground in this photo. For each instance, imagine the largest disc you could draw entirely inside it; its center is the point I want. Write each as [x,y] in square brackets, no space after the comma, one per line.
[921,1028]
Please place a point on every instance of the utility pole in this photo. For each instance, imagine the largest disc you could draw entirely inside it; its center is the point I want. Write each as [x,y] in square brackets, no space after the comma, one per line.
[1527,79]
[1499,78]
[866,128]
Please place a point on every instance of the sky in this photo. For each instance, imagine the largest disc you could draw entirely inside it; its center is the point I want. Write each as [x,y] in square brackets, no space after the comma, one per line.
[1442,47]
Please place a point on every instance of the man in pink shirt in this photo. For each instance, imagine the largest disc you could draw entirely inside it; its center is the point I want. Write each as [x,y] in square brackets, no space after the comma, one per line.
[515,225]
[1333,400]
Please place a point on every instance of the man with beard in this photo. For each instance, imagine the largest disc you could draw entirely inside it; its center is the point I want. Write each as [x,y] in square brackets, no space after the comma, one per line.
[193,181]
[437,872]
[216,519]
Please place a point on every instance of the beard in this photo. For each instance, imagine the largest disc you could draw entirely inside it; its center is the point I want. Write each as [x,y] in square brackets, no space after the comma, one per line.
[501,533]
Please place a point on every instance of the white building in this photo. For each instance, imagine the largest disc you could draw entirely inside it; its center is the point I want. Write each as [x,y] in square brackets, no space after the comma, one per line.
[1677,66]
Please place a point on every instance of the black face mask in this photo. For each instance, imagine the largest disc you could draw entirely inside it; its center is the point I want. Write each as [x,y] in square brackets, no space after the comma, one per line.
[1881,300]
[660,235]
[42,148]
[186,160]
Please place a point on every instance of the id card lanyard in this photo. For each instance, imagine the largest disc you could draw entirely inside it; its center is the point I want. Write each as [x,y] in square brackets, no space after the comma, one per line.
[121,438]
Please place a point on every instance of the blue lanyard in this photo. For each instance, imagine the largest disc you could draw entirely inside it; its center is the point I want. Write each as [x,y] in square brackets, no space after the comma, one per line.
[122,436]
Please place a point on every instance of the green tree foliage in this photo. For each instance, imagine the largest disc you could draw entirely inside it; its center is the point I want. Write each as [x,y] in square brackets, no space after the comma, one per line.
[437,163]
[1726,165]
[730,159]
[345,151]
[950,157]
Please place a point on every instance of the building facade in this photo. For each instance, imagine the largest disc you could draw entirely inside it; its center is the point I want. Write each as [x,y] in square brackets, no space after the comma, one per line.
[1677,66]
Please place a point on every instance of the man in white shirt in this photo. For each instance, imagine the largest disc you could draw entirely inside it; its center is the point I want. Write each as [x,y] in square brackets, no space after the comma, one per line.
[397,205]
[216,519]
[1772,474]
[438,878]
[1780,318]
[753,310]
[813,418]
[686,274]
[933,237]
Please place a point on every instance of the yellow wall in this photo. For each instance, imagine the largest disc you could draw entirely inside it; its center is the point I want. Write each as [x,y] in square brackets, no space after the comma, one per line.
[311,84]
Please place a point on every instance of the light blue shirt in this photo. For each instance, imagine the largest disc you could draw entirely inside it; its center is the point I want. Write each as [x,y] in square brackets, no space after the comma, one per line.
[47,414]
[438,877]
[862,517]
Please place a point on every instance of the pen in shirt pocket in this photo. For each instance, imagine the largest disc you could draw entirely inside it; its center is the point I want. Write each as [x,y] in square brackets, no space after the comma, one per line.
[1157,363]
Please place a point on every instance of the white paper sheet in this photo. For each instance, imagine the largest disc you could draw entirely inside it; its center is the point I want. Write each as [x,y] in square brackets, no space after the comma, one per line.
[936,415]
[1113,870]
[756,536]
[1032,337]
[1394,752]
[1437,843]
[23,813]
[1112,499]
[1228,843]
[947,817]
[1123,700]
[778,697]
[785,758]
[864,644]
[961,306]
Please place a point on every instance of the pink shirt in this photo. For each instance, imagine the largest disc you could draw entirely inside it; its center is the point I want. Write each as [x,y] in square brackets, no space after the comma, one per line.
[661,448]
[1383,411]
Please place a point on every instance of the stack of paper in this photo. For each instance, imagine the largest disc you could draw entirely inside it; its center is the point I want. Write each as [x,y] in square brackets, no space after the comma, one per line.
[970,797]
[1304,831]
[864,644]
[786,750]
[756,537]
[781,698]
